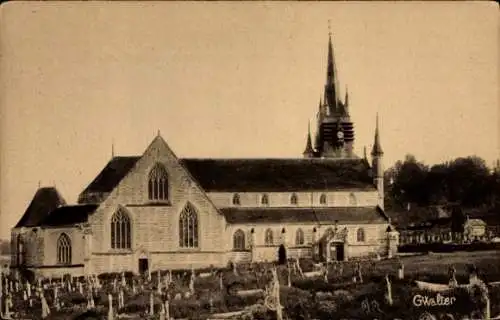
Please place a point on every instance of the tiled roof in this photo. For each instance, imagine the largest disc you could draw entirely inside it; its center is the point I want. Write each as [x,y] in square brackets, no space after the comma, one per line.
[45,200]
[116,169]
[68,215]
[304,215]
[251,175]
[279,175]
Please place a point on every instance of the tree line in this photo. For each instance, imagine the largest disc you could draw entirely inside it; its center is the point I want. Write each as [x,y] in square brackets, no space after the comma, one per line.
[464,181]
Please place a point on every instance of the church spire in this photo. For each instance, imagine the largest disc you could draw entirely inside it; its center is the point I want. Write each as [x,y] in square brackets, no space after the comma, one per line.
[332,85]
[308,152]
[377,149]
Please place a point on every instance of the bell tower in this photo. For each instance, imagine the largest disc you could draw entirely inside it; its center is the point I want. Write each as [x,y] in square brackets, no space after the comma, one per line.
[335,131]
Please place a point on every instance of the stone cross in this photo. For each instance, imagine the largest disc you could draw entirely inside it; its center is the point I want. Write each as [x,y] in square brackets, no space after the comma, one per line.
[110,308]
[452,279]
[151,304]
[389,290]
[191,282]
[45,307]
[167,310]
[124,281]
[401,271]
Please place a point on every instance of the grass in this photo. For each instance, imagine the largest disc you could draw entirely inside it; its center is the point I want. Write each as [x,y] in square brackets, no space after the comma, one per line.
[338,299]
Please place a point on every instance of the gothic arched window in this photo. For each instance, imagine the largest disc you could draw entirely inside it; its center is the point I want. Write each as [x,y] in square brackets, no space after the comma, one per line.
[239,240]
[121,237]
[63,249]
[20,250]
[158,183]
[236,199]
[360,235]
[293,199]
[268,240]
[264,200]
[322,199]
[299,237]
[352,199]
[188,227]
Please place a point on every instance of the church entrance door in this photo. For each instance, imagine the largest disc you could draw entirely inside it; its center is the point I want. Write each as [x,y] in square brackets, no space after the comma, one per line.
[143,266]
[282,254]
[339,250]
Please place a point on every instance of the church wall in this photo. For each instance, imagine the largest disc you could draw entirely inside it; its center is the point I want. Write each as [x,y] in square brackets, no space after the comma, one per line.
[305,199]
[32,246]
[155,227]
[375,239]
[51,236]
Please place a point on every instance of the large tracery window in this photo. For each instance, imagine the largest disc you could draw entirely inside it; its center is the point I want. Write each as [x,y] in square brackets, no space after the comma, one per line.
[188,227]
[120,230]
[158,183]
[63,249]
[239,240]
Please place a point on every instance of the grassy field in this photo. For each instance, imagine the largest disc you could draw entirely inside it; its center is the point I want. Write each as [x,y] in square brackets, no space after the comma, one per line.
[311,298]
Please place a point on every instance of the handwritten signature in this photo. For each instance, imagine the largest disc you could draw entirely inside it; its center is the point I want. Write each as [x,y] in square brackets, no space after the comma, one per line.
[370,306]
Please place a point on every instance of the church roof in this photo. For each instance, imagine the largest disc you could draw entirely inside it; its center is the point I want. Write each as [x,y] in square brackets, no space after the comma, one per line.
[253,175]
[46,199]
[279,175]
[304,215]
[69,215]
[116,169]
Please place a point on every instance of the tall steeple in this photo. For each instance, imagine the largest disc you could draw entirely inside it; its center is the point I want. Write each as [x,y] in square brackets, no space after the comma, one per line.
[309,151]
[332,91]
[377,149]
[335,131]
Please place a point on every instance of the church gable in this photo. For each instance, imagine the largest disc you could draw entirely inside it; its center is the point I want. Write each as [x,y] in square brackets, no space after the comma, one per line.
[155,192]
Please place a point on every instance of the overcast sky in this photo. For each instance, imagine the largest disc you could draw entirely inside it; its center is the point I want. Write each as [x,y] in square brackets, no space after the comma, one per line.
[234,80]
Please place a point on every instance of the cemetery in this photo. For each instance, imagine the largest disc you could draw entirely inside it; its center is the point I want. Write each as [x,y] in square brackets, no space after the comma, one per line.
[460,285]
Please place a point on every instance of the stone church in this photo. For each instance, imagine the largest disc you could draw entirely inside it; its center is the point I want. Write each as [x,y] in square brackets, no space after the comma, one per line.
[157,211]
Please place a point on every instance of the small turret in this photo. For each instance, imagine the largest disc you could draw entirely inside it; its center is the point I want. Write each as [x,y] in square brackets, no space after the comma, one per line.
[377,165]
[309,151]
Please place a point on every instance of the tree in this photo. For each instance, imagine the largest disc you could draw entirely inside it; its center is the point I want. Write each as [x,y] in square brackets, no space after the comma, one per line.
[409,181]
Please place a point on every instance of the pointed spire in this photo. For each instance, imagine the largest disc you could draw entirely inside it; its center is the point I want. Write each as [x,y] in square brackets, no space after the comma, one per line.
[364,154]
[346,100]
[112,149]
[159,133]
[39,184]
[332,86]
[308,152]
[377,149]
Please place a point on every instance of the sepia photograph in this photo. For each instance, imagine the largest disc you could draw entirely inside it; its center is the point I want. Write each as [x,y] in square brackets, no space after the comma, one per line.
[257,160]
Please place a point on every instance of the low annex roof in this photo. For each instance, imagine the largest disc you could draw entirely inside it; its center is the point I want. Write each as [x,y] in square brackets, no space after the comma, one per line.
[46,199]
[236,215]
[69,215]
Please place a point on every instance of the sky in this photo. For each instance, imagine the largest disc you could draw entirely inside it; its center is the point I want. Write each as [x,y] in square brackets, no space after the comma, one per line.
[234,79]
